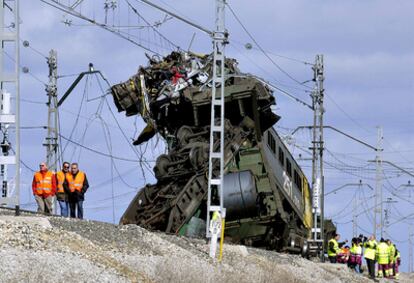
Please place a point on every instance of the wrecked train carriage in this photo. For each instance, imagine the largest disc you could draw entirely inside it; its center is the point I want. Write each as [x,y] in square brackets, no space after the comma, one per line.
[264,206]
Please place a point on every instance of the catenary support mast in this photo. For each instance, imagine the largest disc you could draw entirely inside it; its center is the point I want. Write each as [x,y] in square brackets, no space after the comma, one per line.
[317,241]
[378,206]
[215,179]
[10,112]
[51,142]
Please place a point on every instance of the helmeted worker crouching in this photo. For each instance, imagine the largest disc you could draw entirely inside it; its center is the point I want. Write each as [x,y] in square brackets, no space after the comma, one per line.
[77,185]
[383,258]
[334,248]
[44,189]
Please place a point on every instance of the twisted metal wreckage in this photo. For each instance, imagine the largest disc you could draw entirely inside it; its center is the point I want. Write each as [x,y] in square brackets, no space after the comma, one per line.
[264,207]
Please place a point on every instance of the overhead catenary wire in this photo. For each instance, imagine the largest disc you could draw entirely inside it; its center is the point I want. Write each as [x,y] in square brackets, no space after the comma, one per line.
[72,12]
[151,26]
[262,50]
[29,72]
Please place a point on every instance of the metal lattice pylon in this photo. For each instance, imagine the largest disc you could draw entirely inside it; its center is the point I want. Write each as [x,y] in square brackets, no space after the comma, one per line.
[215,179]
[10,113]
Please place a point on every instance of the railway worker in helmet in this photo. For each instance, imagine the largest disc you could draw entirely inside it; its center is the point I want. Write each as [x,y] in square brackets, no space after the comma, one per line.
[334,248]
[392,254]
[44,189]
[370,251]
[383,258]
[77,184]
[63,191]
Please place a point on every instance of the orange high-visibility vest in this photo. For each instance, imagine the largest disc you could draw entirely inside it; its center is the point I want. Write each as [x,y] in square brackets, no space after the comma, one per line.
[60,177]
[77,183]
[43,183]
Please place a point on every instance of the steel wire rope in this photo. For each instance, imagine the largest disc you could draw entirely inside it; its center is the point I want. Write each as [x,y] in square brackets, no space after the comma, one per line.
[126,139]
[116,178]
[108,142]
[104,26]
[337,168]
[362,212]
[397,210]
[119,127]
[90,120]
[87,125]
[29,72]
[277,55]
[363,229]
[77,117]
[369,216]
[363,128]
[393,193]
[393,239]
[117,196]
[267,72]
[342,223]
[32,101]
[409,216]
[98,152]
[82,116]
[262,50]
[345,207]
[152,27]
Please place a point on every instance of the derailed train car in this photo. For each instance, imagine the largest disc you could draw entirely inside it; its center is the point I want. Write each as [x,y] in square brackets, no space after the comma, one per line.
[266,194]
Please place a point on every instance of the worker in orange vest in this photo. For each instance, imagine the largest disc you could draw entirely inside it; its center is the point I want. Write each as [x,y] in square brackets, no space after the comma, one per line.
[77,184]
[62,194]
[44,189]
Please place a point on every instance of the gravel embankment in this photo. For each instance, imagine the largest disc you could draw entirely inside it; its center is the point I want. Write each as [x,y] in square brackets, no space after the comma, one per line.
[40,249]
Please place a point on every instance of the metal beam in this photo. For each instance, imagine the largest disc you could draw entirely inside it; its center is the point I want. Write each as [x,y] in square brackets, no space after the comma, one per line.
[76,82]
[339,131]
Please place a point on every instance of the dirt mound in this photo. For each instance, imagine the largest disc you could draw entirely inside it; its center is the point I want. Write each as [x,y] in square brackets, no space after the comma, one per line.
[40,249]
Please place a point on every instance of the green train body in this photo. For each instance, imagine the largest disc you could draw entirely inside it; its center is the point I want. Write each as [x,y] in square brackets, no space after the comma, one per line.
[266,194]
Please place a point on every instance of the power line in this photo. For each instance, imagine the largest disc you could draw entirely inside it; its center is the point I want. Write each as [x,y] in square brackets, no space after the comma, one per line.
[265,71]
[28,71]
[72,12]
[100,153]
[277,55]
[262,50]
[151,26]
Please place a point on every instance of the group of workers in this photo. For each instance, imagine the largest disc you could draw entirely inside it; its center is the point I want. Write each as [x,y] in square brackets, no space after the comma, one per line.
[69,186]
[384,253]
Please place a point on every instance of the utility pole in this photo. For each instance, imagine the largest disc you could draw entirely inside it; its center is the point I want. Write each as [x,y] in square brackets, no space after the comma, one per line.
[317,153]
[410,248]
[354,213]
[215,181]
[10,89]
[51,142]
[387,214]
[378,207]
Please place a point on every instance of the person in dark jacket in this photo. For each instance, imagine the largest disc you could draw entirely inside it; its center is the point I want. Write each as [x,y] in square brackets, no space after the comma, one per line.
[77,184]
[62,192]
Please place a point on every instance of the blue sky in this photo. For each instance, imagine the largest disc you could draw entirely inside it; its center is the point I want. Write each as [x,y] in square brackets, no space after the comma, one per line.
[369,69]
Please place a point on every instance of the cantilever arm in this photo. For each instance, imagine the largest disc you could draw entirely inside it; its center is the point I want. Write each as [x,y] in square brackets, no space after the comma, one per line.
[75,83]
